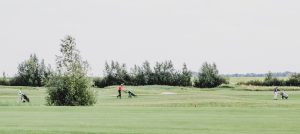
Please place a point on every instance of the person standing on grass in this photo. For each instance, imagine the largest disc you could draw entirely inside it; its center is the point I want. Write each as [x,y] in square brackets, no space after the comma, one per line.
[276,93]
[120,87]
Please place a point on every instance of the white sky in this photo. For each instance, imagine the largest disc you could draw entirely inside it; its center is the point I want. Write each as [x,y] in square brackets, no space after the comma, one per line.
[239,35]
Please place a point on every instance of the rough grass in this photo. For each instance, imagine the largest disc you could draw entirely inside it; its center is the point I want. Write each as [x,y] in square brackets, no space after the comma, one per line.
[189,111]
[235,80]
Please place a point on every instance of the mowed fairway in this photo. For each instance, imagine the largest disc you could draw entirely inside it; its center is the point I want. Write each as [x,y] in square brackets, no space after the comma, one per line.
[157,110]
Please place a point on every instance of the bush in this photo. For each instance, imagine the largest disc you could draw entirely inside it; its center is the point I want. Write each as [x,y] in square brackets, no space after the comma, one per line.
[271,82]
[274,82]
[100,82]
[32,73]
[294,80]
[208,77]
[162,74]
[252,82]
[69,91]
[4,82]
[70,86]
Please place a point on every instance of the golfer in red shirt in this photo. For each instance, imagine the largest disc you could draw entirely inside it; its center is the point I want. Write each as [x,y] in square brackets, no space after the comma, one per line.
[120,87]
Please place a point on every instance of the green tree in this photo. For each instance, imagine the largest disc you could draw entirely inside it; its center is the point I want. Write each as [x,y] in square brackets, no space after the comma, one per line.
[45,73]
[272,81]
[269,76]
[293,80]
[209,77]
[186,76]
[31,72]
[115,74]
[138,76]
[163,72]
[70,85]
[4,80]
[149,75]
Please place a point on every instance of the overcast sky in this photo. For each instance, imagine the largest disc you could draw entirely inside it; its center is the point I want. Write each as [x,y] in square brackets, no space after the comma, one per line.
[240,36]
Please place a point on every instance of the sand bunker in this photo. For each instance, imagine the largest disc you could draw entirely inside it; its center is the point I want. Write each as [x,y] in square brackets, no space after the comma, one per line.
[168,93]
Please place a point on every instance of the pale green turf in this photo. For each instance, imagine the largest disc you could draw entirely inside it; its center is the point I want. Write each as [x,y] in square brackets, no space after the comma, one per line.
[189,110]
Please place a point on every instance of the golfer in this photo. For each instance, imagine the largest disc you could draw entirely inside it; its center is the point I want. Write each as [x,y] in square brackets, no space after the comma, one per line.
[120,87]
[276,93]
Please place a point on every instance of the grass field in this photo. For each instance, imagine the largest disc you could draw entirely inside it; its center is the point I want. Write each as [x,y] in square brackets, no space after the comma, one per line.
[157,110]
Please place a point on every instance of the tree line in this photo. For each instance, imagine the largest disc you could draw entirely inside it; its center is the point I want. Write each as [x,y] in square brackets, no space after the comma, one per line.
[163,73]
[270,80]
[274,74]
[33,72]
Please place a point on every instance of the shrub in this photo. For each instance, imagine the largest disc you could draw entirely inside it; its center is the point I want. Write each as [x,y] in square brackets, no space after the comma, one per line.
[252,82]
[208,77]
[70,85]
[100,82]
[269,80]
[294,80]
[162,74]
[274,82]
[4,81]
[31,72]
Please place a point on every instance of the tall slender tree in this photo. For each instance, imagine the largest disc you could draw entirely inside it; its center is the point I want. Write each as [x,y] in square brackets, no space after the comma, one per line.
[70,85]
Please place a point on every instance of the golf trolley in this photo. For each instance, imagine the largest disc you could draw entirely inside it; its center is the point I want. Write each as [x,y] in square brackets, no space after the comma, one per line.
[130,94]
[23,97]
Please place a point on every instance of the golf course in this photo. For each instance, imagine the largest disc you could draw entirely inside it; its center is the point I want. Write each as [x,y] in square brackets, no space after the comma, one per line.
[149,67]
[156,110]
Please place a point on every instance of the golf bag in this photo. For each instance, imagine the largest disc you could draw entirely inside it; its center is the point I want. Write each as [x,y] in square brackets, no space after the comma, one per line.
[23,97]
[130,94]
[284,95]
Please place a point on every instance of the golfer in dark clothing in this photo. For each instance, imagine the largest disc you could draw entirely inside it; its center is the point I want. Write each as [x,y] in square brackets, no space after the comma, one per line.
[119,91]
[276,93]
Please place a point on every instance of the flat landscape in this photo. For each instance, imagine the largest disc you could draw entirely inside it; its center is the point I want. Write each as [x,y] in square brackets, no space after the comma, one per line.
[195,67]
[156,110]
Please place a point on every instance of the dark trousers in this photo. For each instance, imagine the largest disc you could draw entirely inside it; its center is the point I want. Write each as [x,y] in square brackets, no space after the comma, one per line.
[119,91]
